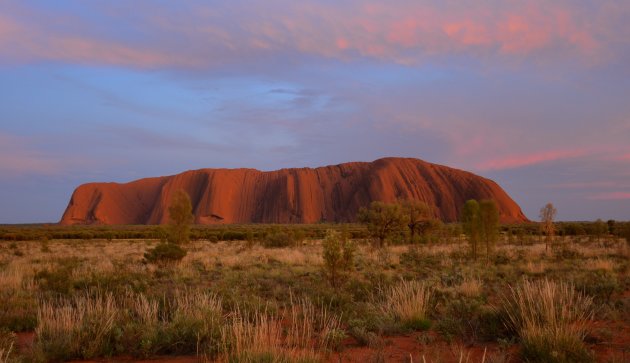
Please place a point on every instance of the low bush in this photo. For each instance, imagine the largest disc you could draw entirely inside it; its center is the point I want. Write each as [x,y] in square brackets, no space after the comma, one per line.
[279,239]
[599,284]
[338,254]
[165,253]
[58,279]
[19,311]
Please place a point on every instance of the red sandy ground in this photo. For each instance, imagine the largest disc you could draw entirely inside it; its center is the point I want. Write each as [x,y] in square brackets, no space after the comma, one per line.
[409,348]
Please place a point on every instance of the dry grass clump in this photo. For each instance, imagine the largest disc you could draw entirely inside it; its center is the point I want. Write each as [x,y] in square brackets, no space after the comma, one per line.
[552,320]
[470,287]
[601,264]
[7,341]
[17,297]
[76,328]
[535,268]
[175,325]
[409,301]
[4,355]
[302,334]
[84,327]
[16,277]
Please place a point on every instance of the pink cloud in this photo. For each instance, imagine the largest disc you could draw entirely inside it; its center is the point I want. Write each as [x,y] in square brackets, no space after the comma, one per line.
[18,157]
[517,161]
[8,29]
[402,31]
[610,196]
[468,32]
[521,35]
[586,185]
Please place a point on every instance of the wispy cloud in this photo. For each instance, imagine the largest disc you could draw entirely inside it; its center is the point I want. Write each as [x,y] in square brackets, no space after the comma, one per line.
[587,185]
[402,31]
[19,157]
[610,196]
[518,161]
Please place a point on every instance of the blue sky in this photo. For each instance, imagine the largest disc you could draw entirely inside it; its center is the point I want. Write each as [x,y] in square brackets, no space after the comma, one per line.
[531,94]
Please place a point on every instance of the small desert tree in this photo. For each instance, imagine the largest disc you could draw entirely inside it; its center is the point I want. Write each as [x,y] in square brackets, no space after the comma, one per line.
[181,217]
[547,216]
[338,254]
[489,222]
[383,220]
[471,225]
[419,218]
[169,250]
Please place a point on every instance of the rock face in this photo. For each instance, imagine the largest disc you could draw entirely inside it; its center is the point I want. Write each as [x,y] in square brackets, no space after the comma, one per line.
[330,193]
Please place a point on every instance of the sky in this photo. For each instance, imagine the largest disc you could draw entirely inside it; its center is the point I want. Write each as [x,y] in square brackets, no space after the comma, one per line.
[534,94]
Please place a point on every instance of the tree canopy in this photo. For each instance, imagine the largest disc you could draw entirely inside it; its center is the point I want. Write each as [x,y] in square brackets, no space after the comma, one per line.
[480,221]
[181,217]
[383,220]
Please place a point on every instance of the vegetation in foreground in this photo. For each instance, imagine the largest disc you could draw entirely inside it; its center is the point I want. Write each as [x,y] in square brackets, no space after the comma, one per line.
[100,298]
[291,294]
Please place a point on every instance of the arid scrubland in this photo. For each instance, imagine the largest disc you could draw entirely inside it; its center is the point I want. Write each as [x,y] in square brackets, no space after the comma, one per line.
[237,301]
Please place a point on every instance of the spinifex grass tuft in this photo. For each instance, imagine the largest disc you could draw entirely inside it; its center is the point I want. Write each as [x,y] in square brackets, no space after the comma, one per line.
[551,318]
[81,327]
[408,301]
[302,334]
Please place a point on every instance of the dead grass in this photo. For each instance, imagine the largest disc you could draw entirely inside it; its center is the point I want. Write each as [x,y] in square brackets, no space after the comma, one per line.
[5,353]
[219,266]
[535,268]
[408,301]
[302,334]
[17,277]
[7,341]
[470,287]
[551,318]
[77,327]
[600,263]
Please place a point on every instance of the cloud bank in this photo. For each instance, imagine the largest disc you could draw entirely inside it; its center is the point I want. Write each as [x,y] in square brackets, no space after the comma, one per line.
[195,34]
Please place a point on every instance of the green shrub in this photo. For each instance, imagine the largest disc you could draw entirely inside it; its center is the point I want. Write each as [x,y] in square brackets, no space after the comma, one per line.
[599,284]
[19,311]
[415,260]
[338,254]
[278,239]
[165,253]
[460,318]
[566,252]
[58,280]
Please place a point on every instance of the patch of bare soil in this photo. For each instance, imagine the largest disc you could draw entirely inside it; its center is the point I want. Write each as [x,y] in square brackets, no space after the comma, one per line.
[411,348]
